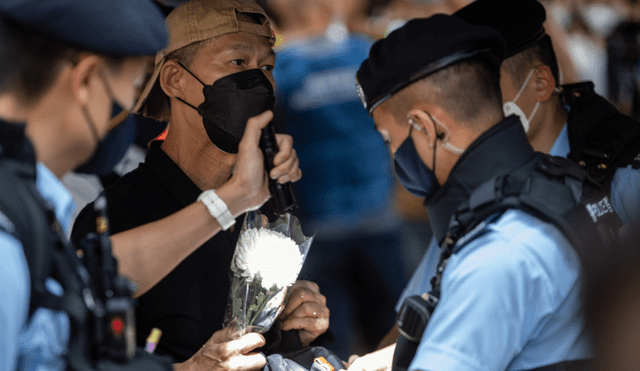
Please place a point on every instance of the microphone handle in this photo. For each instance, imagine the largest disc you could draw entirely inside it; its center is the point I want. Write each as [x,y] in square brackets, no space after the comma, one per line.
[282,197]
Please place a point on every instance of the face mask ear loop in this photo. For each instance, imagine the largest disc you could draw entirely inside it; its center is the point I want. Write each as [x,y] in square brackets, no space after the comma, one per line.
[450,147]
[534,111]
[191,73]
[194,76]
[524,85]
[117,119]
[92,126]
[185,102]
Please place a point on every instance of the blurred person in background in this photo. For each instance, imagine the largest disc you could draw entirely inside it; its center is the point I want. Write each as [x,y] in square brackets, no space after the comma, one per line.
[588,25]
[612,304]
[348,199]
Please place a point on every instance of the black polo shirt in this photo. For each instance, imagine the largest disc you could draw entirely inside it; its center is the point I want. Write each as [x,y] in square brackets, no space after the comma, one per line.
[188,304]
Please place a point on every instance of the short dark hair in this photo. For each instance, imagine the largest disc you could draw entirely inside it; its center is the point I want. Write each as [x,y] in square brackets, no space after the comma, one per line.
[467,90]
[31,61]
[519,65]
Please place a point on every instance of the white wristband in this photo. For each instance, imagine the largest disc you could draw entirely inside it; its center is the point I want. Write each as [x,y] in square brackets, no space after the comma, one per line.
[217,208]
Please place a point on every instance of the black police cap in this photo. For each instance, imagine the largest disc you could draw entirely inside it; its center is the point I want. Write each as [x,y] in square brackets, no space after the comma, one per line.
[519,21]
[114,27]
[418,49]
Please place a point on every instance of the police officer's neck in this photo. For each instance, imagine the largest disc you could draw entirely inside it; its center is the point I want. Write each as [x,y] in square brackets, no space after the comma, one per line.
[45,129]
[206,165]
[551,118]
[11,110]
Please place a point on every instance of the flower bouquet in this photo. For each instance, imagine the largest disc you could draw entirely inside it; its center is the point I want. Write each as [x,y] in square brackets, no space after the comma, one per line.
[266,263]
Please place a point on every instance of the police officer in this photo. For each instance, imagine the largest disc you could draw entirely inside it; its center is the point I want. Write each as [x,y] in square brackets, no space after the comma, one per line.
[530,88]
[570,121]
[66,68]
[433,90]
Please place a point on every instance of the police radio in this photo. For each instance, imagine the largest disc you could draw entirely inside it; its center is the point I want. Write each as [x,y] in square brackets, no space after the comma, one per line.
[412,320]
[113,322]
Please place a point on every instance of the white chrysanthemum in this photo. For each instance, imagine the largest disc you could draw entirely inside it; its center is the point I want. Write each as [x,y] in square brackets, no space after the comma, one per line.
[268,254]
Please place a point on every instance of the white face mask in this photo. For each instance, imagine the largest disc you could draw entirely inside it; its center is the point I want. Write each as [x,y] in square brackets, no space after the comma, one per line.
[511,108]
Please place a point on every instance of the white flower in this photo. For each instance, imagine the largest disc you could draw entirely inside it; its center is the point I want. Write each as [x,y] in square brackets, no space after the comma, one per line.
[268,254]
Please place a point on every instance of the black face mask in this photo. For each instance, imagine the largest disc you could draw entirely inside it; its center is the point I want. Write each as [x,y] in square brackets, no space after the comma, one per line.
[412,173]
[230,102]
[112,148]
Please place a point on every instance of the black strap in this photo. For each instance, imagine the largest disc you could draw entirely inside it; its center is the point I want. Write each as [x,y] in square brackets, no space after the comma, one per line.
[575,365]
[20,202]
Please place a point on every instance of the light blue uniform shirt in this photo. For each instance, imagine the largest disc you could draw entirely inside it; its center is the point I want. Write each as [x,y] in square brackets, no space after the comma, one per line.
[510,301]
[41,344]
[625,199]
[625,186]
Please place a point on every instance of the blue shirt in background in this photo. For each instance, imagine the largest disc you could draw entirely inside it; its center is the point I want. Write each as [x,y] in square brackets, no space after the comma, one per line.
[340,151]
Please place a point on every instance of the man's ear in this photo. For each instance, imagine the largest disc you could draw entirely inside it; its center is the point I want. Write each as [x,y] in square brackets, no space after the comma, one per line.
[83,78]
[171,79]
[545,83]
[423,123]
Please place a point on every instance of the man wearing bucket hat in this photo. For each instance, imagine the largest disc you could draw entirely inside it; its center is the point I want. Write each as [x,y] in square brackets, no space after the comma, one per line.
[66,71]
[211,43]
[433,90]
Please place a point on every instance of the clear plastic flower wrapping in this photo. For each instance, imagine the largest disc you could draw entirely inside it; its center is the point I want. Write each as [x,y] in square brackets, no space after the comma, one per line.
[271,253]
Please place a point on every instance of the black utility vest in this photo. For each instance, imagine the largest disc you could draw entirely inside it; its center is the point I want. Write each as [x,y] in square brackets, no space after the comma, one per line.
[601,139]
[30,219]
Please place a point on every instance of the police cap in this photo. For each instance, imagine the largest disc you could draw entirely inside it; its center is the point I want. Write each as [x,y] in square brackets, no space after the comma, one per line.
[418,49]
[114,27]
[519,21]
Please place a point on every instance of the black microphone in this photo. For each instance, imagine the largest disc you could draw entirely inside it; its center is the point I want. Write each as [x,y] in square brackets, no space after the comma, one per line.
[282,197]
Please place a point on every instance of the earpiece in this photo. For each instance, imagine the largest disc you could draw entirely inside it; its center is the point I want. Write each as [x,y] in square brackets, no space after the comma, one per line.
[415,126]
[83,95]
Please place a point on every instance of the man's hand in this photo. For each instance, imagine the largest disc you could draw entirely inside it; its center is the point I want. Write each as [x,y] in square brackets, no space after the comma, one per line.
[306,311]
[379,360]
[285,163]
[249,177]
[222,352]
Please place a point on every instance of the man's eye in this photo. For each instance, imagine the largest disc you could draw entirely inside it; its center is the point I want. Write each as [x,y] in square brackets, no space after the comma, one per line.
[238,62]
[268,67]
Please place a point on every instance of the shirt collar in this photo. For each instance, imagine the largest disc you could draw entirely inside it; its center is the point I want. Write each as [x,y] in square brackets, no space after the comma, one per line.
[561,146]
[14,143]
[181,187]
[52,190]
